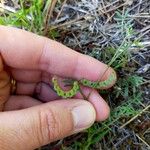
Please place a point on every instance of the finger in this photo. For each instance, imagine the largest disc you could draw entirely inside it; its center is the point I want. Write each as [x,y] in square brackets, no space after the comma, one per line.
[101,107]
[4,85]
[20,102]
[4,88]
[23,75]
[46,123]
[50,56]
[45,94]
[25,88]
[42,90]
[40,84]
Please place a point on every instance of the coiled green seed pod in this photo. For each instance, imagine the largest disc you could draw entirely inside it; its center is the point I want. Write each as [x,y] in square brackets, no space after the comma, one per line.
[65,94]
[99,85]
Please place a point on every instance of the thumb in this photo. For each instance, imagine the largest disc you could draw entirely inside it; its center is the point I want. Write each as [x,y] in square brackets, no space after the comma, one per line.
[33,127]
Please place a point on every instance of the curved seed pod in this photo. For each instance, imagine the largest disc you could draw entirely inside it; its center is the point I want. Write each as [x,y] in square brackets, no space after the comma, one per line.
[65,94]
[98,85]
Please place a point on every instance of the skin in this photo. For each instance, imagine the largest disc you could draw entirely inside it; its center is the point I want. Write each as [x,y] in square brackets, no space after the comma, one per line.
[32,61]
[4,85]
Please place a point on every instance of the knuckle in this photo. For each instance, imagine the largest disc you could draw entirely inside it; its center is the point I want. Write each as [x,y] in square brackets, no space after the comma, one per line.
[43,62]
[76,64]
[49,123]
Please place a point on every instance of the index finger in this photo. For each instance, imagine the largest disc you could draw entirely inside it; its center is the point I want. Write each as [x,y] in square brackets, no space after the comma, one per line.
[24,50]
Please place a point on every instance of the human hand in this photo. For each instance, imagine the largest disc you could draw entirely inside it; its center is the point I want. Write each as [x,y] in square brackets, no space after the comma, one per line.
[32,60]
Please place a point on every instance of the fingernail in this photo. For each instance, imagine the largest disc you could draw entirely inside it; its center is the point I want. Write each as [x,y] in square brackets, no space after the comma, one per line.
[84,116]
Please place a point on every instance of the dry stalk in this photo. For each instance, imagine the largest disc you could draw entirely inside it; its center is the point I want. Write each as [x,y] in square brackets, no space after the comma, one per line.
[48,15]
[61,10]
[148,146]
[146,108]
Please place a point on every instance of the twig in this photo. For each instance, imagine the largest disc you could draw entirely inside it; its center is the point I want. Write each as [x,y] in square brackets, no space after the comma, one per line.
[77,40]
[49,14]
[108,15]
[146,82]
[143,141]
[143,34]
[138,10]
[146,28]
[135,117]
[146,43]
[139,16]
[61,10]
